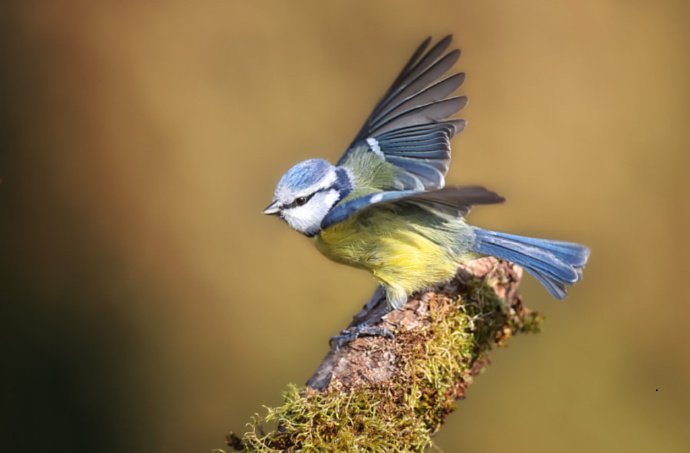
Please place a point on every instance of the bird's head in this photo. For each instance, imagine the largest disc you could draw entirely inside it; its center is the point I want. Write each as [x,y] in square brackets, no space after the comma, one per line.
[306,193]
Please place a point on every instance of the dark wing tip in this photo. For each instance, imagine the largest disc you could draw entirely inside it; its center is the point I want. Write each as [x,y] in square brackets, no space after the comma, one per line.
[458,126]
[455,55]
[477,194]
[446,40]
[462,102]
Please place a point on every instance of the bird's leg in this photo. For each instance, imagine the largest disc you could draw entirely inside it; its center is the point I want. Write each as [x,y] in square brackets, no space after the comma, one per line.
[378,296]
[363,322]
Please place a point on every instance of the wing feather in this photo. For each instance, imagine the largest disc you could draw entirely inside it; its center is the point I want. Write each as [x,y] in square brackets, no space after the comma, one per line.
[410,125]
[457,199]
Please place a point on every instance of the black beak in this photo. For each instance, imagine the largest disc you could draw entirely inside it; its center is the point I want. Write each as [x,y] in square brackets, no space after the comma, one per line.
[272,209]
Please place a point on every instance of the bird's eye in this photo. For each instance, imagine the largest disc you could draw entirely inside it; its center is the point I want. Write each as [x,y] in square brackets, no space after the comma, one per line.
[300,201]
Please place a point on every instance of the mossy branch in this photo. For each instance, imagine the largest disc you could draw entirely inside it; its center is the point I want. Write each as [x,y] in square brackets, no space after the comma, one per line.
[382,394]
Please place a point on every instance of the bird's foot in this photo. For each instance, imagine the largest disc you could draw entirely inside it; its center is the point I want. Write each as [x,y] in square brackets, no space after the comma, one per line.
[361,330]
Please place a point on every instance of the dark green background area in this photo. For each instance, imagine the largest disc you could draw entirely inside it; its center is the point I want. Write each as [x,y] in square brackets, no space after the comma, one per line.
[147,305]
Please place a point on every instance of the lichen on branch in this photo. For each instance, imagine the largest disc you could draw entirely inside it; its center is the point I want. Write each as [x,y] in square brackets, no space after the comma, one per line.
[383,394]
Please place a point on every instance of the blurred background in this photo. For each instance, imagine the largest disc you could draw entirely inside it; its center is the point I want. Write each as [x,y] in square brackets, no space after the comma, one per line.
[147,305]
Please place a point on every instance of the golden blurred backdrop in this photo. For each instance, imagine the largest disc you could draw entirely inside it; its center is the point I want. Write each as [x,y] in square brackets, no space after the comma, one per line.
[147,305]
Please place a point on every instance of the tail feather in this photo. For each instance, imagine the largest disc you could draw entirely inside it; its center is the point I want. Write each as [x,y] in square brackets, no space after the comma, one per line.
[556,264]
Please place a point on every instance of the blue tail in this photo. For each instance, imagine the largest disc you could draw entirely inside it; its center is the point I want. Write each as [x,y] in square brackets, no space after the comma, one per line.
[555,264]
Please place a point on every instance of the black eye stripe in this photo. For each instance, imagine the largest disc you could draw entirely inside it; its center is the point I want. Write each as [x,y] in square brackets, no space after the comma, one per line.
[301,200]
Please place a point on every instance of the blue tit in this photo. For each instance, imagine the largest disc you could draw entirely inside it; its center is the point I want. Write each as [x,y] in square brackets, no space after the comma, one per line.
[383,206]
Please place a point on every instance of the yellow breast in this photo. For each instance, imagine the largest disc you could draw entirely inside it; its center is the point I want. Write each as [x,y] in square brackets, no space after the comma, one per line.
[405,252]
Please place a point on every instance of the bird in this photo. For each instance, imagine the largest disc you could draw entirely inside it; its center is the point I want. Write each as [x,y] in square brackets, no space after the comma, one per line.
[384,207]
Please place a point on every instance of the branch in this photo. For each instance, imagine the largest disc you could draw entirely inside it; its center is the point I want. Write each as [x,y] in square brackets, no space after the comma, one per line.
[382,394]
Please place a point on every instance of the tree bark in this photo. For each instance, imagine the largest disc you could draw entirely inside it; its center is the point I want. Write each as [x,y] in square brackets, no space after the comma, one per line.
[392,394]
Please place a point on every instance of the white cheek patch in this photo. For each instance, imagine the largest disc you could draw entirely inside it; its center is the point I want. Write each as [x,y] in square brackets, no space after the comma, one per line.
[307,218]
[301,218]
[330,198]
[374,146]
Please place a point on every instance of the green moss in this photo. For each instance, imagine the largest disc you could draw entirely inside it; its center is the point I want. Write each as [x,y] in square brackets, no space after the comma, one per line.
[435,364]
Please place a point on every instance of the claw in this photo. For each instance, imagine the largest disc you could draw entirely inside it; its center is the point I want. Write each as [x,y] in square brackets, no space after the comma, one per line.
[362,330]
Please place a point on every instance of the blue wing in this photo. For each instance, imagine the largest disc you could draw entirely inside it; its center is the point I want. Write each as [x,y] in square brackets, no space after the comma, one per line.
[457,200]
[409,127]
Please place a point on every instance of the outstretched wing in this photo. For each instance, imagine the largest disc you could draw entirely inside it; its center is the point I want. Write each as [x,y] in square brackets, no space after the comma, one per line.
[458,200]
[409,127]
